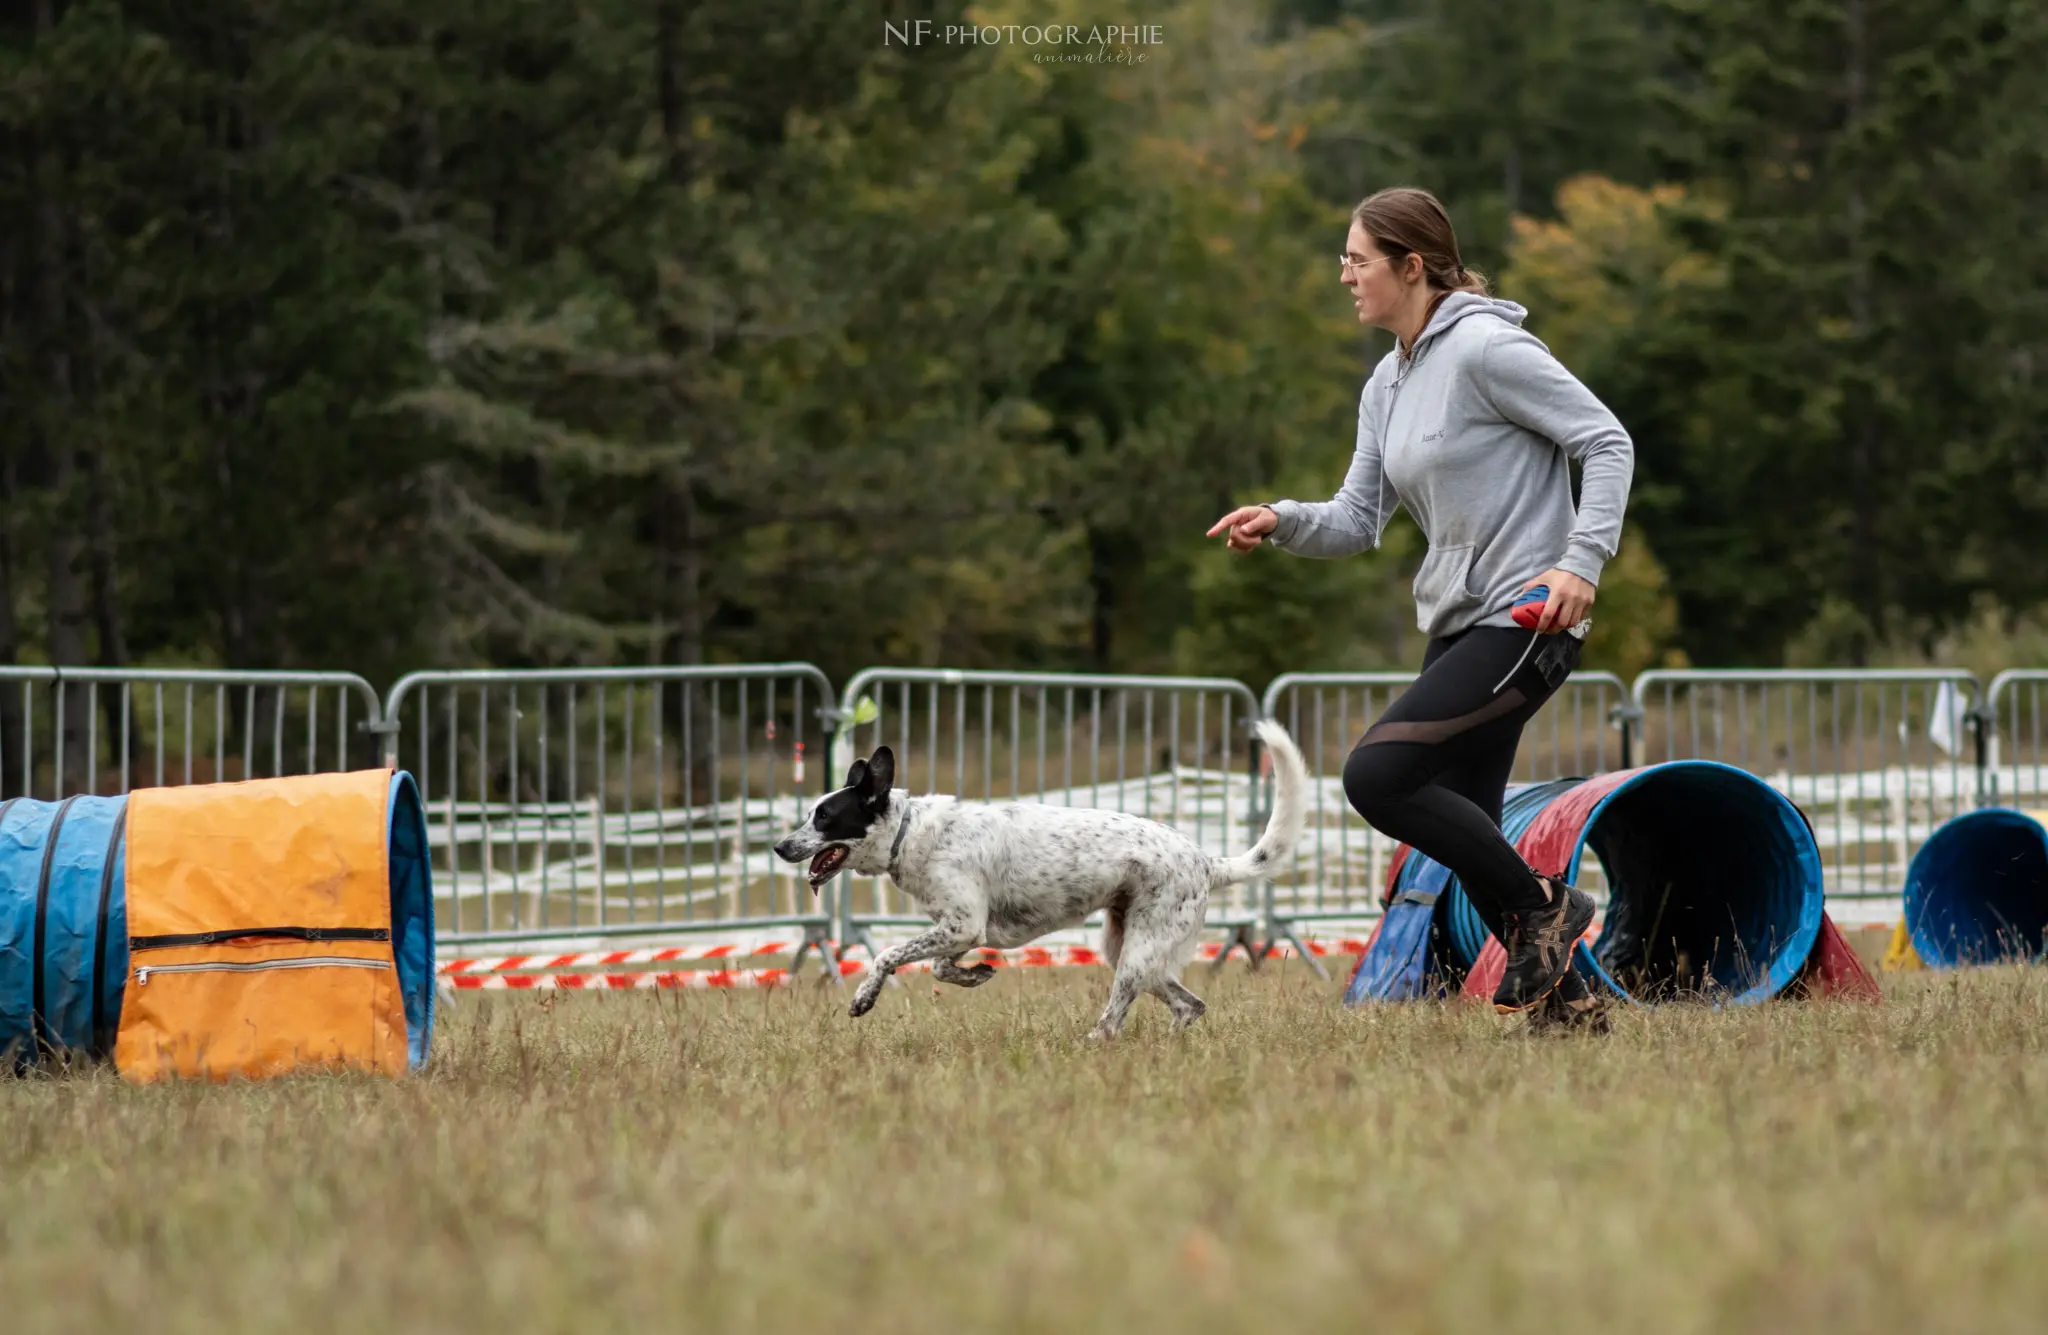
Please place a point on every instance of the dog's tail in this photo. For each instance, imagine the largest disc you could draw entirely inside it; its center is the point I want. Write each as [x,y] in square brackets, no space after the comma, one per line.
[1290,813]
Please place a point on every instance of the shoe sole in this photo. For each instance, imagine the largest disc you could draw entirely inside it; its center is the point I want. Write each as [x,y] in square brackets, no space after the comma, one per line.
[1591,1021]
[1544,995]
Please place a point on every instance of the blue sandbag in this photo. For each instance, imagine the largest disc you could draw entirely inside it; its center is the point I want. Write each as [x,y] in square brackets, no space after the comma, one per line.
[1397,966]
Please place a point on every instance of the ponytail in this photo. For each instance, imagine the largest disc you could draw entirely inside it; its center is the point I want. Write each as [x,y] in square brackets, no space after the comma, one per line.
[1404,221]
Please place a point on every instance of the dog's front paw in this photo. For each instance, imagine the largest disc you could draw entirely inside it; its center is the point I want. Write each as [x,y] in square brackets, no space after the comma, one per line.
[863,1001]
[977,975]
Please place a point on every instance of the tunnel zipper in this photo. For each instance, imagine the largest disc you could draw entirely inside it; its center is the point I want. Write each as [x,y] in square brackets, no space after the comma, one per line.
[143,971]
[232,934]
[257,936]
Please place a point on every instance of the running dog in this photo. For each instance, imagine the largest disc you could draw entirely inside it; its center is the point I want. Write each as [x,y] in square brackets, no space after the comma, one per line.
[1003,875]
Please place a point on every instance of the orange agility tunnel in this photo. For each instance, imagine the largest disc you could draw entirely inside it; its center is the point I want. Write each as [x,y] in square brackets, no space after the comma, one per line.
[220,930]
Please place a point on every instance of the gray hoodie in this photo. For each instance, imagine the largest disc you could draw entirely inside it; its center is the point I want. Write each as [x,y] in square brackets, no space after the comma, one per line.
[1472,434]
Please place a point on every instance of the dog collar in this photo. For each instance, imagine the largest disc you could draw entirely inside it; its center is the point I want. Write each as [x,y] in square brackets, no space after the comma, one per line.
[895,849]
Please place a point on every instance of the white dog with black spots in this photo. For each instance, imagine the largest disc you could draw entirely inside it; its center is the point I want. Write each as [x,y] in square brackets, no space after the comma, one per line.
[1005,874]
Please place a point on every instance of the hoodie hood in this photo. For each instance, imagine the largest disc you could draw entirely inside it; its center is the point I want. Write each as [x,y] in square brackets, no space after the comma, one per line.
[1462,305]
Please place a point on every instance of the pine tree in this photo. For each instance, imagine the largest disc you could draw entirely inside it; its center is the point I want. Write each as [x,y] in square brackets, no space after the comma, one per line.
[1848,389]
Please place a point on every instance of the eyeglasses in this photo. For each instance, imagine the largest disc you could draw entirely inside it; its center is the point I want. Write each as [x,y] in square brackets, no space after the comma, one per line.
[1349,263]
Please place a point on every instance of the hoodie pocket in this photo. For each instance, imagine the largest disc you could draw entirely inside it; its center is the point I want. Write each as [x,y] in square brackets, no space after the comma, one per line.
[1440,584]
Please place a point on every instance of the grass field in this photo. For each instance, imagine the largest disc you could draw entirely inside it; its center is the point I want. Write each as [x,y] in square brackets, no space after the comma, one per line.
[965,1162]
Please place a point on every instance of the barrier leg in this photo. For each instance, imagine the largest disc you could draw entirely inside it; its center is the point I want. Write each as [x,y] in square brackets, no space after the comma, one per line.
[817,938]
[1240,935]
[1284,931]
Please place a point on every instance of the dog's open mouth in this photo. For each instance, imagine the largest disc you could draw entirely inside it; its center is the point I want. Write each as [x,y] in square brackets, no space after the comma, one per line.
[827,862]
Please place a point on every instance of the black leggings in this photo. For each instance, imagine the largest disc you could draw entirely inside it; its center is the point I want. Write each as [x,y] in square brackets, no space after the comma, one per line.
[1433,770]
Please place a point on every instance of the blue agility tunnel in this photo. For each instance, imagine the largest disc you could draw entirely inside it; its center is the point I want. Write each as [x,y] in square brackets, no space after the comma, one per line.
[1714,888]
[1714,879]
[63,926]
[1977,891]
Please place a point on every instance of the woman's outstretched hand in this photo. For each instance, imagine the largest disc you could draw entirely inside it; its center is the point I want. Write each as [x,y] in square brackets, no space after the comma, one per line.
[1245,527]
[1571,599]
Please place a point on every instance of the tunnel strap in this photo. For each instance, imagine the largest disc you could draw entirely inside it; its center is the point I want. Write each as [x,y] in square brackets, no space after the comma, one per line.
[245,933]
[102,1031]
[38,1021]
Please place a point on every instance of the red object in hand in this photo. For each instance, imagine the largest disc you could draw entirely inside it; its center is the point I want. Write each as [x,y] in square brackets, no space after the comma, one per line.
[1528,609]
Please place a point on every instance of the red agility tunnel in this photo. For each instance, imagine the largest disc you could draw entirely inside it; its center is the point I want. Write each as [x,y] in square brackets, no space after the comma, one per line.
[1714,887]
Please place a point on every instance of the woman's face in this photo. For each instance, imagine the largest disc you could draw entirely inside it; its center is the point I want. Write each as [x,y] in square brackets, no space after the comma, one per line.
[1376,288]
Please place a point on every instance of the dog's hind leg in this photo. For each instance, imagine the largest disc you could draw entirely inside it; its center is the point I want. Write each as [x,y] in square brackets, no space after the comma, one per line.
[1123,991]
[1161,934]
[1145,964]
[1185,1005]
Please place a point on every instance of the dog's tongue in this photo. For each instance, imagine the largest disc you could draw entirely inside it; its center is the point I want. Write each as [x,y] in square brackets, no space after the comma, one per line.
[823,865]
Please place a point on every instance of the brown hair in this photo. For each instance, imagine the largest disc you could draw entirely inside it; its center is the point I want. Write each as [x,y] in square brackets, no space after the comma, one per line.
[1403,221]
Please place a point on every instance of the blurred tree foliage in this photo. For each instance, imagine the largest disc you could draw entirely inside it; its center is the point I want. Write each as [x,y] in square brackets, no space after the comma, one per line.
[380,336]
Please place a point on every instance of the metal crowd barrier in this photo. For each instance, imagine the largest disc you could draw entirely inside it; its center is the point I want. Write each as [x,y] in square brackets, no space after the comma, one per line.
[65,731]
[2015,761]
[644,801]
[1340,867]
[1175,749]
[615,801]
[1876,758]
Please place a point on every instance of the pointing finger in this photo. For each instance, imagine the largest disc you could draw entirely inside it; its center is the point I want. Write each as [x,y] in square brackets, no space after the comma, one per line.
[1228,521]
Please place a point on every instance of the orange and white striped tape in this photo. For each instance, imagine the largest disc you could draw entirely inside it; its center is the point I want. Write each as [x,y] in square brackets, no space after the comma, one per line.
[558,972]
[739,979]
[1024,957]
[600,959]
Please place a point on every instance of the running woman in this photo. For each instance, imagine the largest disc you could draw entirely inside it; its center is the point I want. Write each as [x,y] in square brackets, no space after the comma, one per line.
[1470,423]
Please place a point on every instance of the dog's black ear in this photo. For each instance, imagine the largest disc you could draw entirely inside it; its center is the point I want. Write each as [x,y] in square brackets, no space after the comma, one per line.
[881,775]
[857,777]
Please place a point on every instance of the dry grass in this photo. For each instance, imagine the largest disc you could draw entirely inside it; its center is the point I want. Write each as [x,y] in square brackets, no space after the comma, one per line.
[964,1161]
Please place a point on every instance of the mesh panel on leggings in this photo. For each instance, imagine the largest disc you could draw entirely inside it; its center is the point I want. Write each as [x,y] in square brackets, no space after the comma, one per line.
[1430,732]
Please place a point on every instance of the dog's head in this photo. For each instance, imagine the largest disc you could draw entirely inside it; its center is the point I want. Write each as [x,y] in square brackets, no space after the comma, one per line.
[845,823]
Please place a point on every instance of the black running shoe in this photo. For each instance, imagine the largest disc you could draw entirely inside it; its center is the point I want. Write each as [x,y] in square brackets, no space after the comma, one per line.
[1570,1007]
[1540,946]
